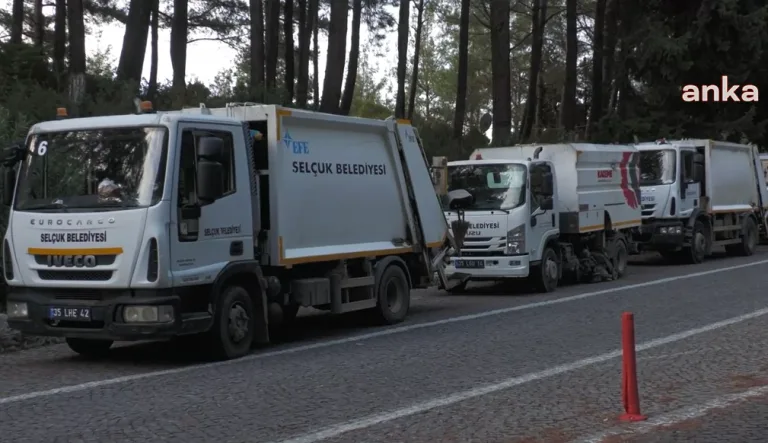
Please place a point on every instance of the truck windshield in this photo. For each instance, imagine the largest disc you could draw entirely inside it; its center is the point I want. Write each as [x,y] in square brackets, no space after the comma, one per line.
[658,167]
[94,170]
[494,186]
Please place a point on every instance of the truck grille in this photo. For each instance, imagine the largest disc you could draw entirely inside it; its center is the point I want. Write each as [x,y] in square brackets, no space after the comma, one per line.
[483,246]
[75,275]
[647,210]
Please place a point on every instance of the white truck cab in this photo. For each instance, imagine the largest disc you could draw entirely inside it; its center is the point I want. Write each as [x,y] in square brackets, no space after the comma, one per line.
[545,212]
[698,194]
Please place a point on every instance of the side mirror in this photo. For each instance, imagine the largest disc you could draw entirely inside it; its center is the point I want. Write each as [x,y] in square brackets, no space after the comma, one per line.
[210,148]
[547,204]
[9,183]
[460,199]
[547,187]
[210,172]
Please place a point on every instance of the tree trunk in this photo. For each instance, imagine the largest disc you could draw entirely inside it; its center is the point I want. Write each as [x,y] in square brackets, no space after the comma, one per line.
[154,55]
[354,55]
[257,50]
[39,24]
[403,26]
[539,122]
[461,82]
[537,34]
[179,31]
[76,55]
[17,22]
[316,61]
[134,49]
[290,54]
[306,23]
[337,51]
[596,105]
[60,40]
[500,68]
[609,51]
[621,87]
[272,38]
[568,102]
[416,55]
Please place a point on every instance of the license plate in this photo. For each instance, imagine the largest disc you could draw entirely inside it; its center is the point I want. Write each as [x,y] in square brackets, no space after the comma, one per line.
[471,264]
[72,314]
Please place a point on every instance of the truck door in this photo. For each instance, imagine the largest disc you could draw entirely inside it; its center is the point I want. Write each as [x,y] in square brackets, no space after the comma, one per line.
[690,191]
[206,238]
[543,213]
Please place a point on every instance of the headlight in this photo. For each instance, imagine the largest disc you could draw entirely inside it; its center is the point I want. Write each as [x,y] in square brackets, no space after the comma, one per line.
[17,309]
[148,314]
[515,241]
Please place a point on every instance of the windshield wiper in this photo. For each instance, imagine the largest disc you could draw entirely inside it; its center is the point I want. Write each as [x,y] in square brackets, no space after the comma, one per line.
[113,204]
[47,206]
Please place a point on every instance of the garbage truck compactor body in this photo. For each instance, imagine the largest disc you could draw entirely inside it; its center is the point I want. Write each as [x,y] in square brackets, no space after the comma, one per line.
[547,212]
[217,224]
[697,194]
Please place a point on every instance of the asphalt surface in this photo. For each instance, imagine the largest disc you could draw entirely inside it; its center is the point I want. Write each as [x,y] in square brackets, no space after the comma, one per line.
[495,365]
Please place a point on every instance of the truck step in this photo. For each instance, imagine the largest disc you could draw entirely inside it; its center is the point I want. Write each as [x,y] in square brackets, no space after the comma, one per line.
[358,305]
[726,228]
[358,282]
[731,241]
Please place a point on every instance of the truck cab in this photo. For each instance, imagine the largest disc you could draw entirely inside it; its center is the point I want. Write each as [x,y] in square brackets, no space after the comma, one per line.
[510,220]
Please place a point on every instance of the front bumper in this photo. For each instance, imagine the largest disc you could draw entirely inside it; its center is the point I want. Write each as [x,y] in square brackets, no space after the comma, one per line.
[106,314]
[495,268]
[661,234]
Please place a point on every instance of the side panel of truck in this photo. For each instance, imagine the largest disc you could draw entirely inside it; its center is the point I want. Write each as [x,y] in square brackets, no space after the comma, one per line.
[730,174]
[340,189]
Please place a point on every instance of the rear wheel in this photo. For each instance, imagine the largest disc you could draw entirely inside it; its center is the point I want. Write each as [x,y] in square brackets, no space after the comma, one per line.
[393,296]
[232,333]
[89,347]
[749,240]
[545,275]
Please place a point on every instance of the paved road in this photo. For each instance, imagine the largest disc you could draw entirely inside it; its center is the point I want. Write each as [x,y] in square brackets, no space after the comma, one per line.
[493,366]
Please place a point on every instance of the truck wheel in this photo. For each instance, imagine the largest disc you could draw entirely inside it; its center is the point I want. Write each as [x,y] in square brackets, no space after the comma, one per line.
[393,296]
[620,257]
[749,240]
[696,253]
[89,347]
[232,333]
[545,275]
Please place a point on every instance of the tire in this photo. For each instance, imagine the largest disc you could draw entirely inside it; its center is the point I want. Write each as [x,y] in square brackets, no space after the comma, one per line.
[697,252]
[232,333]
[620,257]
[749,240]
[545,275]
[89,347]
[393,296]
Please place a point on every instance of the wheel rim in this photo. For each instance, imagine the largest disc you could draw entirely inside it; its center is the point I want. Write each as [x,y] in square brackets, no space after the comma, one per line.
[394,300]
[700,244]
[238,324]
[550,270]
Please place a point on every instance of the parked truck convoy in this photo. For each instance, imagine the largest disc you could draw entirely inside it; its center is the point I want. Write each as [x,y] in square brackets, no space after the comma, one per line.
[546,212]
[217,224]
[697,194]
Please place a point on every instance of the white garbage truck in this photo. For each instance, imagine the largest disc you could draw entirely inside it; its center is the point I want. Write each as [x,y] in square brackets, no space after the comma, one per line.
[546,212]
[216,224]
[698,194]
